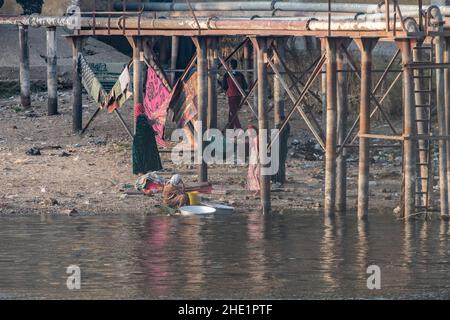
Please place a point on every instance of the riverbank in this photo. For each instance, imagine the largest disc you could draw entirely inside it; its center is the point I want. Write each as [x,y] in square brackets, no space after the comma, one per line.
[91,174]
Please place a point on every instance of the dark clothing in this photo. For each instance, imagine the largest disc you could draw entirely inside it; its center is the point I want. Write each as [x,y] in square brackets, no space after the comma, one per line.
[145,150]
[233,120]
[229,86]
[234,97]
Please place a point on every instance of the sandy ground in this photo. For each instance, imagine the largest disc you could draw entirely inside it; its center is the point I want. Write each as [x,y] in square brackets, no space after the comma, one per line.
[96,170]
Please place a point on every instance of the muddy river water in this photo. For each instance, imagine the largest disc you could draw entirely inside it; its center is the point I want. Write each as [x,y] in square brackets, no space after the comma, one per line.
[287,256]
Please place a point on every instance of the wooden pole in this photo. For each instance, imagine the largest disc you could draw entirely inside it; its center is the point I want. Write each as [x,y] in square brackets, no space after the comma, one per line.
[202,101]
[330,147]
[342,114]
[174,58]
[24,67]
[77,111]
[409,129]
[212,81]
[365,45]
[440,45]
[260,44]
[52,72]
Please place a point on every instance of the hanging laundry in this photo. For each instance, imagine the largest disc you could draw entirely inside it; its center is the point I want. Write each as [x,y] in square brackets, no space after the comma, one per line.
[145,150]
[91,83]
[121,91]
[183,101]
[156,102]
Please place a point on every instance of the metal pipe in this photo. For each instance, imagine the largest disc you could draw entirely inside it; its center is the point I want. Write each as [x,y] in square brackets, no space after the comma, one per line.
[330,146]
[174,58]
[202,101]
[137,73]
[261,53]
[267,6]
[24,67]
[278,106]
[366,46]
[441,116]
[342,114]
[52,74]
[204,23]
[212,81]
[409,129]
[447,104]
[77,109]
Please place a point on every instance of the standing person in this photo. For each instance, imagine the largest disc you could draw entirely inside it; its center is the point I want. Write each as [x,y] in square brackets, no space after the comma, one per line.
[233,94]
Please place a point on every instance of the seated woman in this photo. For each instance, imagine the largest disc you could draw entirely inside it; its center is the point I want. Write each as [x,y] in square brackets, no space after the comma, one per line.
[174,194]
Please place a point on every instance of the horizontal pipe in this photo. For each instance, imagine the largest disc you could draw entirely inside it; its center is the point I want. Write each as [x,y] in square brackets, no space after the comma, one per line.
[290,24]
[269,6]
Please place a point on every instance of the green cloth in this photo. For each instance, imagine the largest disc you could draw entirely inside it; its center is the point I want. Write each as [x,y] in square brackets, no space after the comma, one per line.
[145,150]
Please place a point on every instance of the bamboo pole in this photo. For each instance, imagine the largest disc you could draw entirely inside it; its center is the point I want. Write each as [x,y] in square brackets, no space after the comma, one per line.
[24,67]
[52,72]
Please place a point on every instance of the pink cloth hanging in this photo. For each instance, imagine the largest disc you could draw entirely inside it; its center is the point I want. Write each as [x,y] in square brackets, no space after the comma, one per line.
[156,102]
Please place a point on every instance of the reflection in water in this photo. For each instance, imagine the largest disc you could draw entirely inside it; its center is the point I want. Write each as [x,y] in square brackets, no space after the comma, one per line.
[223,256]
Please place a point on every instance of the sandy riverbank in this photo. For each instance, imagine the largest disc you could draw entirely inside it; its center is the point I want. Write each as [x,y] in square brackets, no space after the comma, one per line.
[90,173]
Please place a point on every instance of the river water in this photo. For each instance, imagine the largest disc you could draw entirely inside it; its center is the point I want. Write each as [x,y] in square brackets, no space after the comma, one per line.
[289,256]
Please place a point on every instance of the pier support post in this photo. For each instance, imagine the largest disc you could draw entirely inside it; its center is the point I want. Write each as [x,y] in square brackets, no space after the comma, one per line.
[441,107]
[212,81]
[409,130]
[174,58]
[255,74]
[330,144]
[246,60]
[202,101]
[366,46]
[137,73]
[278,107]
[446,72]
[342,114]
[77,102]
[323,84]
[52,72]
[24,67]
[260,46]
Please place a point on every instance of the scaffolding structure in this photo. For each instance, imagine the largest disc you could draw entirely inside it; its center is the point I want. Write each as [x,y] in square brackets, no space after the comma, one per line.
[419,31]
